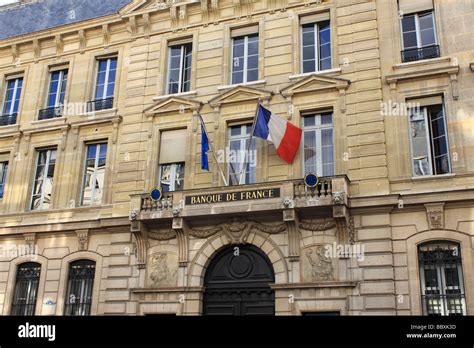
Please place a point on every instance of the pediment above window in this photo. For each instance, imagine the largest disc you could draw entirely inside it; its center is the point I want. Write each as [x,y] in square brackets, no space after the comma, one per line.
[315,83]
[173,104]
[137,6]
[240,94]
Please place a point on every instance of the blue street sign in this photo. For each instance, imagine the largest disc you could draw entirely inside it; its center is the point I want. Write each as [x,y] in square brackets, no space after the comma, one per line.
[311,180]
[156,194]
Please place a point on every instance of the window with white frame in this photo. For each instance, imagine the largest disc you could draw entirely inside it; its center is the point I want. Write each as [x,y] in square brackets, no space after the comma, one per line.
[316,46]
[244,58]
[441,275]
[106,73]
[318,144]
[419,36]
[429,140]
[239,138]
[3,177]
[179,68]
[11,101]
[56,95]
[172,159]
[43,181]
[94,174]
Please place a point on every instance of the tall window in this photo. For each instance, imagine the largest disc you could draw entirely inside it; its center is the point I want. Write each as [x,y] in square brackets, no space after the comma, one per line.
[43,183]
[429,141]
[79,288]
[3,176]
[94,174]
[239,137]
[11,101]
[245,58]
[419,37]
[56,94]
[316,46]
[105,84]
[179,68]
[442,283]
[26,288]
[318,144]
[172,160]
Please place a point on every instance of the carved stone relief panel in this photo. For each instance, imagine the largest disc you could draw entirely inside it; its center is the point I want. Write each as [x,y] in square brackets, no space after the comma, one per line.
[162,269]
[317,265]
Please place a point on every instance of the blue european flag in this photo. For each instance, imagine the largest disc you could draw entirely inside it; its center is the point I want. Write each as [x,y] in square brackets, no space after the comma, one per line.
[204,149]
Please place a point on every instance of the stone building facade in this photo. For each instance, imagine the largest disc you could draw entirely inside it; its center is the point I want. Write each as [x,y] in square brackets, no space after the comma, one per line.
[93,119]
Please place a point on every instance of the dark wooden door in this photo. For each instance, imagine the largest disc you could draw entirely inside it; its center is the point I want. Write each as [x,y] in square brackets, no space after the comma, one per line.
[237,283]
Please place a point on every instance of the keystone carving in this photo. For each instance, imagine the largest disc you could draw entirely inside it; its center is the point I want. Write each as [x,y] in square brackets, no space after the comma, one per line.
[435,215]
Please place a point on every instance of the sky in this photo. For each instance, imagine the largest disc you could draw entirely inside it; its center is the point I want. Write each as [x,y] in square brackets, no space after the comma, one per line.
[7,2]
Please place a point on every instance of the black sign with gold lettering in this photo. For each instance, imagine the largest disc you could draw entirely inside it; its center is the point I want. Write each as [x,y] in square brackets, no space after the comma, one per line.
[210,198]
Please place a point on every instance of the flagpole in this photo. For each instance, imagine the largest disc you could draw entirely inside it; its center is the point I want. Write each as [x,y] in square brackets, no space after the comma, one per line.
[212,150]
[244,167]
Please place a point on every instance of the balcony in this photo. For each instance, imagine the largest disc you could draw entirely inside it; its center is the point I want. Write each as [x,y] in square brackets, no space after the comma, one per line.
[100,104]
[269,198]
[414,54]
[8,119]
[49,113]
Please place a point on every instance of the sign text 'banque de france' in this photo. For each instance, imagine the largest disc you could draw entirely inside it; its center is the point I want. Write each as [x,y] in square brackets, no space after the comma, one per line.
[222,197]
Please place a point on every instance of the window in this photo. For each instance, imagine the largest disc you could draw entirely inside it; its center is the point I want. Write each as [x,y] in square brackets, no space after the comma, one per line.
[419,37]
[94,174]
[429,141]
[179,68]
[316,46]
[239,137]
[56,94]
[3,176]
[79,288]
[172,159]
[105,85]
[43,183]
[245,58]
[11,101]
[26,288]
[442,283]
[172,177]
[318,144]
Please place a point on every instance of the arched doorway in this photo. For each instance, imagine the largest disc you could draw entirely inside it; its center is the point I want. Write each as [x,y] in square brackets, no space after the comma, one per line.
[237,283]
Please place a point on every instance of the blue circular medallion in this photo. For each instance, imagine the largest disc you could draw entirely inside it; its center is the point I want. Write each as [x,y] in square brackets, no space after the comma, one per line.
[311,180]
[156,194]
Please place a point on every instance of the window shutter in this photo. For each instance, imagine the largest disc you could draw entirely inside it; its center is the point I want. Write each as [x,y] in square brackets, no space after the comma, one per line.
[173,146]
[412,6]
[314,18]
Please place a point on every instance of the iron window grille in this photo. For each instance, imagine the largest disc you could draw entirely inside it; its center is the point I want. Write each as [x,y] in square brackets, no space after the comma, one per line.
[80,285]
[442,281]
[26,289]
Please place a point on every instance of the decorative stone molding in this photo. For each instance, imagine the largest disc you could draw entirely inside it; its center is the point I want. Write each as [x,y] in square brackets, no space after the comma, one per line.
[82,239]
[30,240]
[140,232]
[36,50]
[132,26]
[58,42]
[15,53]
[146,25]
[106,35]
[435,215]
[82,41]
[338,198]
[314,225]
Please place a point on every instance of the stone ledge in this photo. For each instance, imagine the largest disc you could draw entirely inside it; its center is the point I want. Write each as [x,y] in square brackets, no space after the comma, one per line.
[327,284]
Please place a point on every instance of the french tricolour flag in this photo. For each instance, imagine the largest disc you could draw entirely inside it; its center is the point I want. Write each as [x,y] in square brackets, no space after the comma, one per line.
[285,136]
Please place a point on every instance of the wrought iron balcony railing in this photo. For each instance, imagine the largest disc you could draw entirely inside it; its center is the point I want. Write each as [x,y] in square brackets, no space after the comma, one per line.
[8,119]
[414,54]
[48,113]
[100,104]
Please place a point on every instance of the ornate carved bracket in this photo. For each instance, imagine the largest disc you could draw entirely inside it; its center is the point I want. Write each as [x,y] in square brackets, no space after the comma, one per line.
[106,35]
[292,226]
[180,227]
[341,215]
[82,41]
[58,42]
[15,54]
[30,240]
[82,239]
[36,50]
[132,26]
[140,231]
[435,215]
[146,25]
